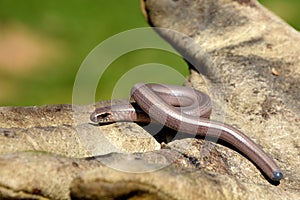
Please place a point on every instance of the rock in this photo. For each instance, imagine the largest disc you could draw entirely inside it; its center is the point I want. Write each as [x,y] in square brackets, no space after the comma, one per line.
[236,45]
[37,175]
[66,130]
[249,62]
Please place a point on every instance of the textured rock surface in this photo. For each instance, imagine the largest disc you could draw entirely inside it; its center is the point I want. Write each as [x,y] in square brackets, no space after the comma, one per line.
[250,62]
[249,59]
[56,129]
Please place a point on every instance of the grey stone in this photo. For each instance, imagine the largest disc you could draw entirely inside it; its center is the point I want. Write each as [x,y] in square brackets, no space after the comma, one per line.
[248,59]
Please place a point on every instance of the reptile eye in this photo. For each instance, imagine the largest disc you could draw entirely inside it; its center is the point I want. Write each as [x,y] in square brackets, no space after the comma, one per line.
[103,117]
[100,118]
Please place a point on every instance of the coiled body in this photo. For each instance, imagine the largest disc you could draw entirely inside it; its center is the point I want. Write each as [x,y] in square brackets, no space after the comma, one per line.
[187,110]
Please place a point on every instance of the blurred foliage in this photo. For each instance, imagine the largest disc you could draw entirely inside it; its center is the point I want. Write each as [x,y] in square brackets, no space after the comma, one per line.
[286,9]
[78,26]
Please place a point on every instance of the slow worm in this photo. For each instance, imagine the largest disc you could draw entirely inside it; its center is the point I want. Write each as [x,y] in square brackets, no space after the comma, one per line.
[187,110]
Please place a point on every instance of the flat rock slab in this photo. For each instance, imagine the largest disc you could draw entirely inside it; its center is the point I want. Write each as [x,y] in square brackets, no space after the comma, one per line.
[249,63]
[66,130]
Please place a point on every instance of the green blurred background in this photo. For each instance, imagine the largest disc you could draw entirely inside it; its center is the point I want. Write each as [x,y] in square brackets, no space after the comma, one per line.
[43,43]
